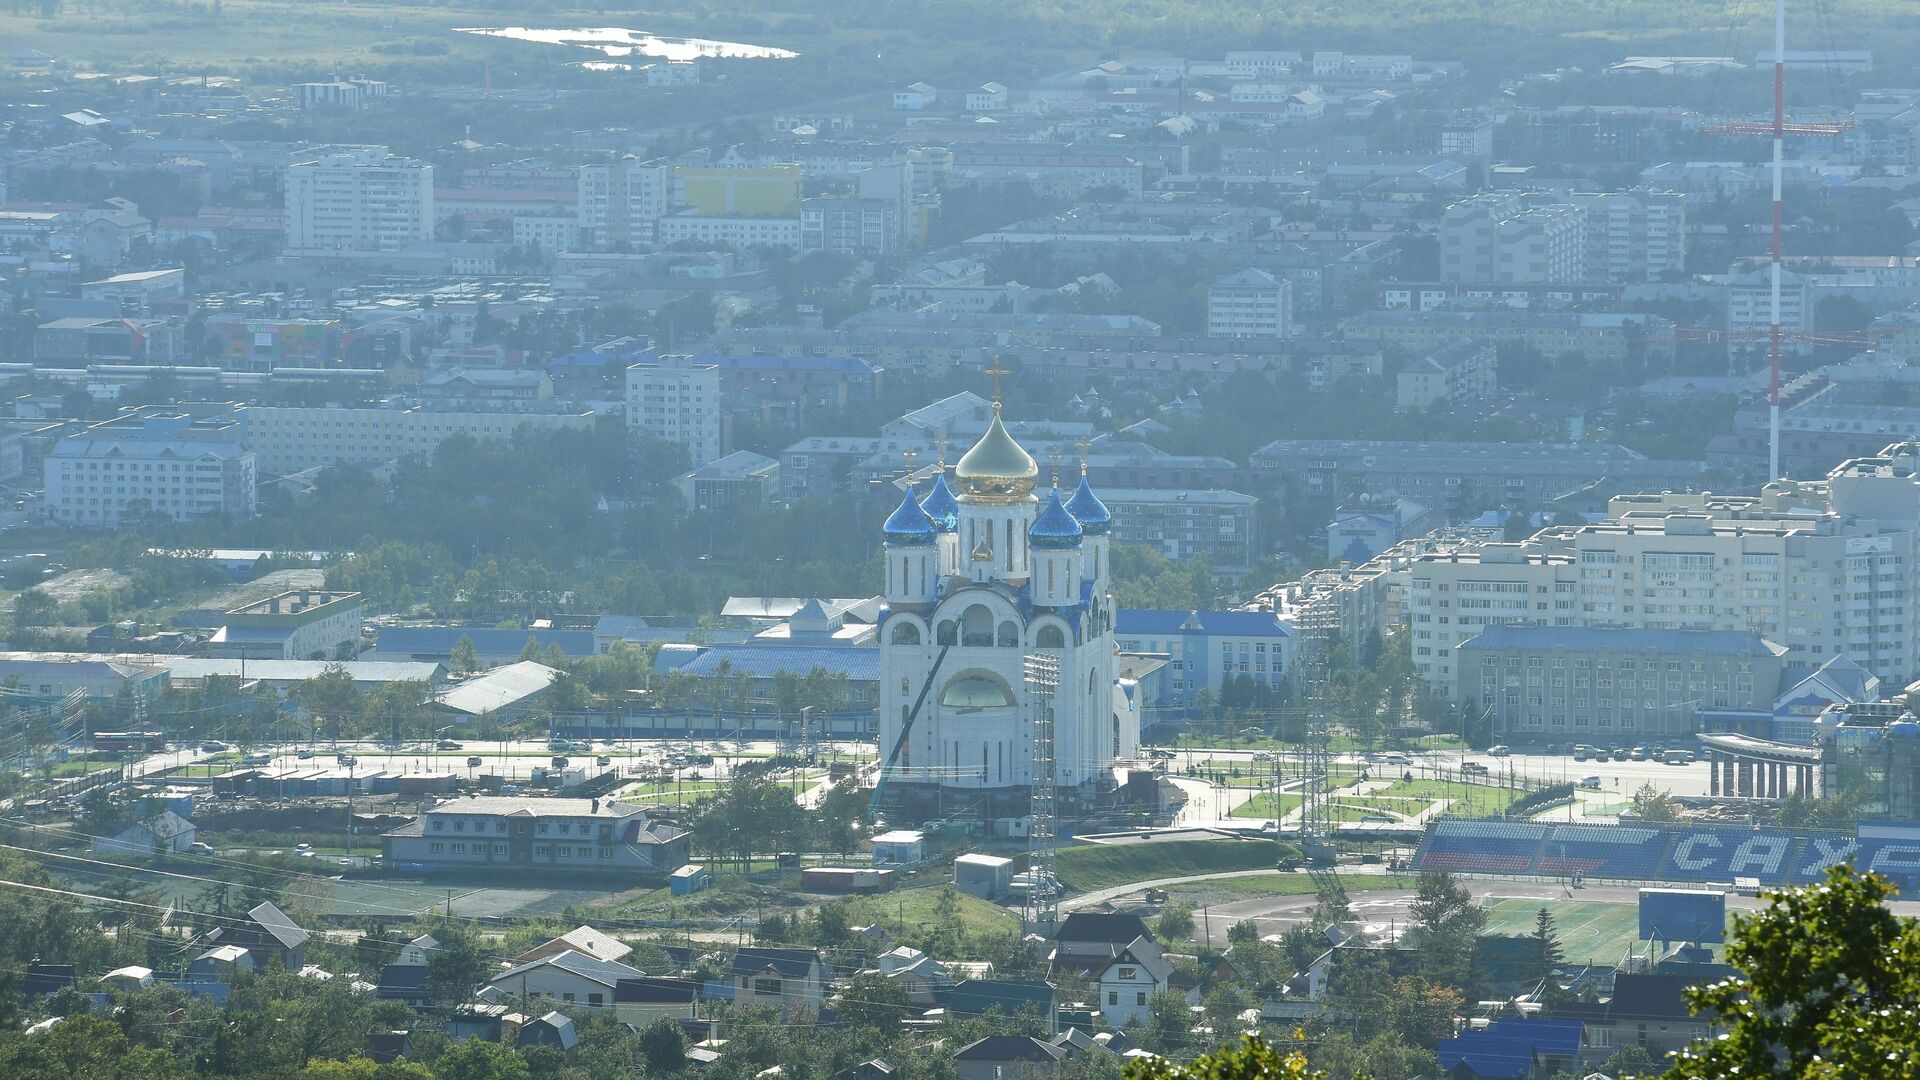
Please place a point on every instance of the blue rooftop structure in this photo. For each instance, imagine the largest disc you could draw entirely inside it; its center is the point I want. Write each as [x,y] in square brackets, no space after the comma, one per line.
[908,525]
[941,507]
[1512,1048]
[1055,528]
[1205,650]
[1094,517]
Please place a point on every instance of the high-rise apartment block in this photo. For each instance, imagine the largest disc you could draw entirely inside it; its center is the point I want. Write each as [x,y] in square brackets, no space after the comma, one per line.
[1633,236]
[678,400]
[1500,237]
[358,199]
[1250,304]
[620,201]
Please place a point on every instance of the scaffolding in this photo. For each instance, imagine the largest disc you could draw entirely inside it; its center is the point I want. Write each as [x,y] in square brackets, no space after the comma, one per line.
[1043,821]
[1318,624]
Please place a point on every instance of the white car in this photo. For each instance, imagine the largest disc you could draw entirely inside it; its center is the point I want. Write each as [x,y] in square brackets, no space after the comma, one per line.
[1397,758]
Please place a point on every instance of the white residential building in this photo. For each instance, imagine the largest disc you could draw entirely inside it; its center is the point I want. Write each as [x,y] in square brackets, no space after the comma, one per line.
[1502,238]
[1825,568]
[736,232]
[677,400]
[294,438]
[620,201]
[1250,304]
[987,98]
[358,199]
[1632,236]
[164,464]
[1750,309]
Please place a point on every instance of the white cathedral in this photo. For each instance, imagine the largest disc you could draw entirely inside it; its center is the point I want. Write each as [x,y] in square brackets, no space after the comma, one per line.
[975,583]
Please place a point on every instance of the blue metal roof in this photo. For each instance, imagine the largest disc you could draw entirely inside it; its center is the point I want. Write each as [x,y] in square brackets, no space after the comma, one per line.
[1085,506]
[1624,639]
[857,663]
[851,365]
[1212,623]
[908,526]
[1054,528]
[941,507]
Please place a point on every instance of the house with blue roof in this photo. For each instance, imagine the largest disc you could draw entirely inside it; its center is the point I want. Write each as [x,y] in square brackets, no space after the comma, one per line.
[492,646]
[1513,1050]
[1206,650]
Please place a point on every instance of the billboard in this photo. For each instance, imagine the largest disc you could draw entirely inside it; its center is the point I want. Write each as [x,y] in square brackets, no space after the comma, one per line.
[1694,915]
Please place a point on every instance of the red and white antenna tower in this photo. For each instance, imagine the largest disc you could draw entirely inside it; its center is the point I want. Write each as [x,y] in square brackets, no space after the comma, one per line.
[1773,321]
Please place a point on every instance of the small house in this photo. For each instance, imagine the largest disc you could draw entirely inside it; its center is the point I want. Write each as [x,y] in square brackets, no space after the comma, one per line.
[554,1029]
[687,880]
[900,848]
[985,876]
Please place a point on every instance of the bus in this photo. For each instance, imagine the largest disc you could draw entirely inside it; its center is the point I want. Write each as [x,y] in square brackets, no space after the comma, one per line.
[123,741]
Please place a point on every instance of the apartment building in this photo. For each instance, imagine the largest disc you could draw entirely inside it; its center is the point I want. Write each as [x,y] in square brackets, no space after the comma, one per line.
[1207,650]
[619,202]
[729,231]
[567,836]
[1750,309]
[1632,236]
[1825,568]
[163,464]
[862,227]
[358,199]
[1250,304]
[294,438]
[1466,474]
[1600,336]
[1182,524]
[1498,237]
[1458,372]
[677,399]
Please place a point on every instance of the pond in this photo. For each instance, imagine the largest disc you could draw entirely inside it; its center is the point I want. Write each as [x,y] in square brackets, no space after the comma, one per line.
[620,41]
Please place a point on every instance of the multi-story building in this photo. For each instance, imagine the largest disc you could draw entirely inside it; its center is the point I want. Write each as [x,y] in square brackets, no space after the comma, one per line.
[358,199]
[1610,683]
[1606,337]
[1208,650]
[678,400]
[293,438]
[1250,304]
[620,201]
[163,464]
[570,836]
[862,227]
[729,231]
[1632,236]
[1466,474]
[303,624]
[1182,524]
[768,191]
[1453,373]
[1750,309]
[1826,568]
[1499,237]
[742,478]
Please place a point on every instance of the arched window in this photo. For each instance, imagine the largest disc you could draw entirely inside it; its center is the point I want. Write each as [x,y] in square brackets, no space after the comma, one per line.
[976,690]
[976,626]
[948,634]
[1009,635]
[1091,676]
[906,634]
[1049,637]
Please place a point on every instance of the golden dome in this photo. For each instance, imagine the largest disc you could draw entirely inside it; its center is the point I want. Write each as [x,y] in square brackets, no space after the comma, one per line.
[996,469]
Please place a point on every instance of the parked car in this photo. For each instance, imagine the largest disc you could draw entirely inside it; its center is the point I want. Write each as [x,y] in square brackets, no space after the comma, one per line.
[201,848]
[603,759]
[1500,750]
[448,744]
[1623,754]
[1641,753]
[212,746]
[473,762]
[1475,767]
[303,847]
[1397,758]
[1377,819]
[1589,782]
[304,755]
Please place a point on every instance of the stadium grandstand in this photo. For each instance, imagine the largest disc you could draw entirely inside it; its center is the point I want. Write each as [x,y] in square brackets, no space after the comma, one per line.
[1677,854]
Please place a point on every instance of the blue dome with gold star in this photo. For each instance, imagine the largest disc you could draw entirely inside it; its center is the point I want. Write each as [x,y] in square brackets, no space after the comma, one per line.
[1088,510]
[909,526]
[1055,528]
[941,507]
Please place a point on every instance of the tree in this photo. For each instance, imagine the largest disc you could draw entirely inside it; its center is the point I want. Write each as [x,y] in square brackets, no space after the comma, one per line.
[1251,1060]
[1653,805]
[1444,909]
[85,1046]
[478,1059]
[1631,1060]
[34,608]
[463,659]
[1169,1025]
[1222,1008]
[455,967]
[1547,953]
[874,1001]
[1175,924]
[662,1047]
[1826,985]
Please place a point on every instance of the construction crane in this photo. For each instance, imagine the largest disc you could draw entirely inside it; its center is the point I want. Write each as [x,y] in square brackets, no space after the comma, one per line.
[906,729]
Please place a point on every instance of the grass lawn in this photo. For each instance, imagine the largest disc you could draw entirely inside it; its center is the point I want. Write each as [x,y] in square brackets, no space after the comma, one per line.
[1590,931]
[1260,807]
[1468,800]
[919,909]
[1086,867]
[84,767]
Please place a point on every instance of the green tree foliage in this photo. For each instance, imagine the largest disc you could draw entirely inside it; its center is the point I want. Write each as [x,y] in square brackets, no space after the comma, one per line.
[1827,982]
[1451,922]
[1545,947]
[1251,1060]
[663,1047]
[463,660]
[89,1047]
[875,1002]
[1654,805]
[1175,924]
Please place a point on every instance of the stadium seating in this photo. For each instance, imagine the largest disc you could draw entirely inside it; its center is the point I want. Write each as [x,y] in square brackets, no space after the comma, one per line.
[1622,852]
[1480,847]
